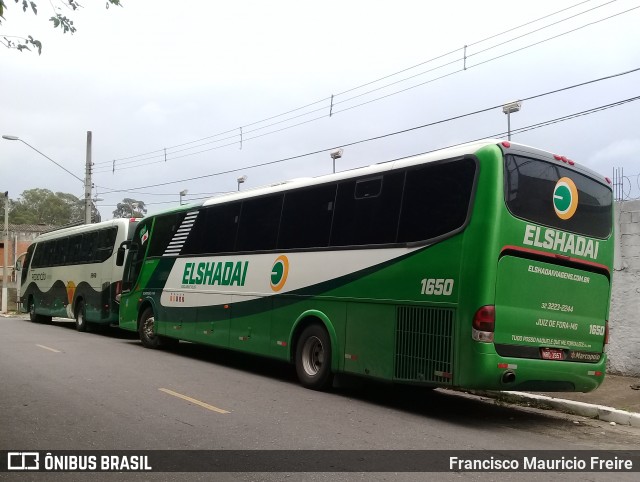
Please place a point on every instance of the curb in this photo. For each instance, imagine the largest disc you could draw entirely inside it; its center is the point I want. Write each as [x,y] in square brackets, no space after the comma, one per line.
[590,410]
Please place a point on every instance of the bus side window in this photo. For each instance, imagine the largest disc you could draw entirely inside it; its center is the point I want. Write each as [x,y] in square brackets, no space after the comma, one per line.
[259,223]
[61,251]
[25,266]
[306,217]
[367,210]
[74,252]
[106,241]
[89,241]
[436,199]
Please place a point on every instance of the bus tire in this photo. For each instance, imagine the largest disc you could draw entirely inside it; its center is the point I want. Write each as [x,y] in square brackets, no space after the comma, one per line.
[33,316]
[313,358]
[146,329]
[32,311]
[81,316]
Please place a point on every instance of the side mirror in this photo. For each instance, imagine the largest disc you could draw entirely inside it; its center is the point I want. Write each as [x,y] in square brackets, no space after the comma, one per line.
[18,265]
[120,254]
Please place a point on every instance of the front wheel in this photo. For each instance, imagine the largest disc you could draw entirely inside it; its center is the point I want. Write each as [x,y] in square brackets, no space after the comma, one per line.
[147,330]
[33,316]
[81,317]
[32,311]
[313,358]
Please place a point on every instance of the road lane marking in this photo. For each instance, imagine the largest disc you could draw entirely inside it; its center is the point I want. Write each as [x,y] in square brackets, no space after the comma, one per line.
[193,400]
[50,349]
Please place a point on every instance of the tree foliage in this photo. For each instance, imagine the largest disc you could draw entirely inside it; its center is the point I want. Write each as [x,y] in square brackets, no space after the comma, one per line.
[59,20]
[130,208]
[42,206]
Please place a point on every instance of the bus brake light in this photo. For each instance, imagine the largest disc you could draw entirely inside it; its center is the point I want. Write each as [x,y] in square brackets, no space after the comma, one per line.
[484,323]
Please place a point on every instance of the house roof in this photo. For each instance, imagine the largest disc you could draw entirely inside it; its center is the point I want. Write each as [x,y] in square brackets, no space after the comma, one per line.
[30,228]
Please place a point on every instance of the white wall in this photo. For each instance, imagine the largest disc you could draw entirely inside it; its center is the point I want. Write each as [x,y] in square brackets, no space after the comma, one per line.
[624,317]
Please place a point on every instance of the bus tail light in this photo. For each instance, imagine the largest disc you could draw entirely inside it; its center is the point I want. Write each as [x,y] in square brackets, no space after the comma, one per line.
[484,323]
[606,335]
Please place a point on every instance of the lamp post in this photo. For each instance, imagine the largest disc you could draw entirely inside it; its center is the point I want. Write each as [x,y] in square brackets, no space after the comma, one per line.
[5,251]
[86,181]
[509,109]
[241,180]
[182,194]
[337,154]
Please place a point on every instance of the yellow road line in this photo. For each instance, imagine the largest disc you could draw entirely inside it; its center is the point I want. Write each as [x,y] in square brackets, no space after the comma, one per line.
[50,349]
[193,400]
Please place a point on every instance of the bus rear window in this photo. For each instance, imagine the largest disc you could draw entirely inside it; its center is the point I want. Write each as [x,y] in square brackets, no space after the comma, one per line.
[555,196]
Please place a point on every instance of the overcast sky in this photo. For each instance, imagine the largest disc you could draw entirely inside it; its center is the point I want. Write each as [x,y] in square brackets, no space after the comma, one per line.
[159,74]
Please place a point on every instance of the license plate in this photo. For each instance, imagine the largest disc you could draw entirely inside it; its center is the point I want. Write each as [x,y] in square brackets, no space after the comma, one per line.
[551,354]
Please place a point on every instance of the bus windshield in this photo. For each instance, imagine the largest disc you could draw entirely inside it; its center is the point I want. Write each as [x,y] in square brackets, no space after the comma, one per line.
[530,183]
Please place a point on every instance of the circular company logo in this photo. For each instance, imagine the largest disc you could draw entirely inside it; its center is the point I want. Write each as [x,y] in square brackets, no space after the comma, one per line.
[565,198]
[279,273]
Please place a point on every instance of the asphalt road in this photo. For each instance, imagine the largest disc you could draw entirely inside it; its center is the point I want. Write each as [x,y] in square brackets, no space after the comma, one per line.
[61,389]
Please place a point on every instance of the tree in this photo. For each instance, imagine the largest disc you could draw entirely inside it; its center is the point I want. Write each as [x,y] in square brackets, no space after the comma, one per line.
[130,208]
[42,206]
[59,21]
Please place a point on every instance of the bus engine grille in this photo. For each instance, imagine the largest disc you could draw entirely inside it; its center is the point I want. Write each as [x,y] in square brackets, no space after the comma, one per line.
[424,344]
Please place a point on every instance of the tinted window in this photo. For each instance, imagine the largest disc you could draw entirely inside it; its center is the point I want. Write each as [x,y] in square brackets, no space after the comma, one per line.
[25,265]
[164,228]
[259,222]
[367,210]
[436,199]
[38,256]
[135,257]
[106,241]
[214,230]
[89,245]
[75,249]
[306,217]
[532,190]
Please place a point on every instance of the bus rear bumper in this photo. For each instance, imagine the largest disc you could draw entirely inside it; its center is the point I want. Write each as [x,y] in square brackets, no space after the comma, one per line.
[494,372]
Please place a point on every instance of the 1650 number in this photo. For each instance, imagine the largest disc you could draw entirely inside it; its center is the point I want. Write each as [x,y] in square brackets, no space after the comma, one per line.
[437,287]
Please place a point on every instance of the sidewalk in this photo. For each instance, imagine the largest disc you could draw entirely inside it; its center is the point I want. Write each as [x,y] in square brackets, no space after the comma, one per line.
[614,401]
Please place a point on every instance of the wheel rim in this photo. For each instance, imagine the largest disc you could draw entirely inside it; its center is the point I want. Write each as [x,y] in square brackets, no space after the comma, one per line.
[147,327]
[80,318]
[32,309]
[312,356]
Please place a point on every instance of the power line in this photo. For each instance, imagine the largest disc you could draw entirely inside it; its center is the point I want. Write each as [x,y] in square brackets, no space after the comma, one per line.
[522,129]
[235,136]
[445,120]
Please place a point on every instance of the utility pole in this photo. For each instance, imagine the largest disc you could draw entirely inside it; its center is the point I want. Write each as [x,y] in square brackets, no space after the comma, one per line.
[6,252]
[87,183]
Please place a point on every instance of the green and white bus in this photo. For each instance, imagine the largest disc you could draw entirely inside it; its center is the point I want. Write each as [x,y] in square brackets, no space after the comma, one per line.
[486,265]
[72,273]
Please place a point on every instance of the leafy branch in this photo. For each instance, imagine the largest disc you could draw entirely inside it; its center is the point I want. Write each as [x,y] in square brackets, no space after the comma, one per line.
[58,19]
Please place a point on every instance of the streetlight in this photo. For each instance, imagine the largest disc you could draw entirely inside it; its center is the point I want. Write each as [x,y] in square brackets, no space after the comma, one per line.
[6,251]
[182,194]
[509,109]
[241,180]
[337,154]
[86,181]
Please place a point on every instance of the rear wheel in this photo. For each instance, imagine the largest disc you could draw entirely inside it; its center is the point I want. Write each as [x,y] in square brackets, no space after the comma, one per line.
[313,358]
[81,316]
